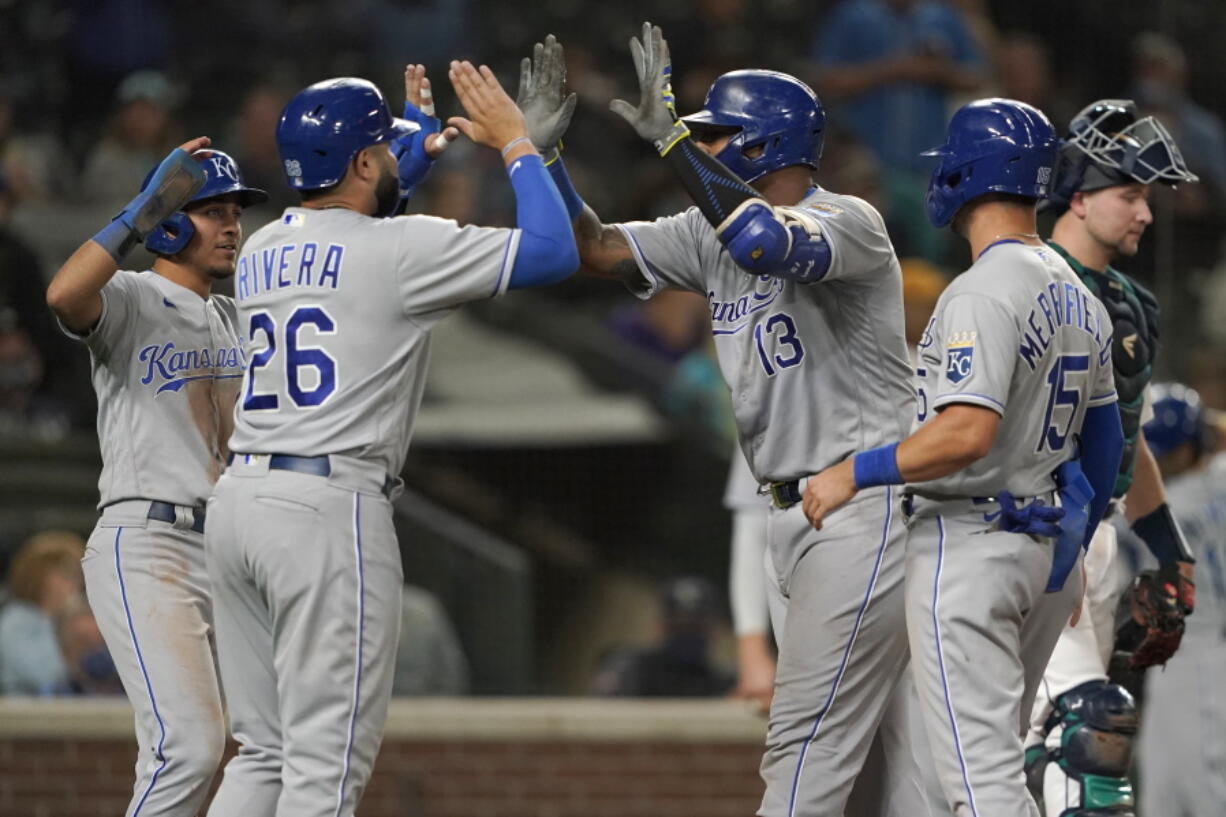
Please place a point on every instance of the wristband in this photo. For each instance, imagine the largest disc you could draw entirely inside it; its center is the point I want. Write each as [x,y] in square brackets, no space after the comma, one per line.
[877,466]
[553,154]
[117,239]
[566,189]
[1160,533]
[510,145]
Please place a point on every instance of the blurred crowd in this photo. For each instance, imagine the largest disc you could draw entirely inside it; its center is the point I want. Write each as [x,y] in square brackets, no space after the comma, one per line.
[94,92]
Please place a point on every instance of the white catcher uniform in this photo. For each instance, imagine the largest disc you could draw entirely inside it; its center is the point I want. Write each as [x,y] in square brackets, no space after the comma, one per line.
[1019,334]
[1182,740]
[303,557]
[817,371]
[166,366]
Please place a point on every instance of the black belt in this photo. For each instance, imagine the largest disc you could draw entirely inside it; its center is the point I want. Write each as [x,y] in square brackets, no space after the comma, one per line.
[165,512]
[319,466]
[785,494]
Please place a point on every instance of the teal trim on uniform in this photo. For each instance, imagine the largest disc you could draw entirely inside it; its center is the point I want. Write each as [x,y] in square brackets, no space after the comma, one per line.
[1134,316]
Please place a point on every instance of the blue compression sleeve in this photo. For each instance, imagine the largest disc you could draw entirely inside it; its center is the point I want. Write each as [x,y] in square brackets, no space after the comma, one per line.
[1102,443]
[570,196]
[547,250]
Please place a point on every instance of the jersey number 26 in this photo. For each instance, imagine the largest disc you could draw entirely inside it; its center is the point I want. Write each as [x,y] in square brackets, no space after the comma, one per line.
[296,359]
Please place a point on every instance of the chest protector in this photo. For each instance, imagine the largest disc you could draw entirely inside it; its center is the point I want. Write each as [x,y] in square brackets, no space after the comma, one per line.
[1134,316]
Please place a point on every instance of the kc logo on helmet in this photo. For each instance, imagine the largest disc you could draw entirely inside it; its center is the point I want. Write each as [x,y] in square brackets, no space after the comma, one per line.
[224,167]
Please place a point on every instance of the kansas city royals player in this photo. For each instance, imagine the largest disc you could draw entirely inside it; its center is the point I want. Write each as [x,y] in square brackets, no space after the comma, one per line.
[1015,364]
[166,360]
[1078,762]
[336,305]
[806,309]
[1182,742]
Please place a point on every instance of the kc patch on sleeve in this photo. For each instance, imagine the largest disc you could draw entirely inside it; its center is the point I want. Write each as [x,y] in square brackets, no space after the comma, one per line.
[960,356]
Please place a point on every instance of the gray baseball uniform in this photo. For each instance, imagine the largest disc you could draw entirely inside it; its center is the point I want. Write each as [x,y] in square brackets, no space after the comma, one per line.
[1020,335]
[1182,743]
[337,308]
[166,367]
[816,372]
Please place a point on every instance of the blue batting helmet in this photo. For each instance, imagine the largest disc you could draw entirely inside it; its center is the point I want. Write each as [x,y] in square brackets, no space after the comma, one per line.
[221,178]
[325,125]
[993,146]
[1179,418]
[773,111]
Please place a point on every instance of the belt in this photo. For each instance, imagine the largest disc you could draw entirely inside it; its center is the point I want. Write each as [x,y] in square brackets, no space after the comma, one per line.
[319,466]
[165,512]
[785,494]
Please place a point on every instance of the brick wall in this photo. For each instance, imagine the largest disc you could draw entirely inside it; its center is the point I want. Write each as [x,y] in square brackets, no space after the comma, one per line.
[440,759]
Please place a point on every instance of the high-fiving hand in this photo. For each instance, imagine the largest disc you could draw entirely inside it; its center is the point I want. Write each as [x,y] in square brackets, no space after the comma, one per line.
[493,120]
[655,119]
[542,80]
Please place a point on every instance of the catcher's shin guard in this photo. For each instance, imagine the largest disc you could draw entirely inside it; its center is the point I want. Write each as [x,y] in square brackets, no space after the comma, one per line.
[1097,722]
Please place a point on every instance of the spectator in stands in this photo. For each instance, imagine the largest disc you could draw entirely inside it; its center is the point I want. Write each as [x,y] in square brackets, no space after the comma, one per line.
[1160,88]
[254,139]
[889,70]
[90,668]
[1024,72]
[39,368]
[142,130]
[429,659]
[44,577]
[679,664]
[889,66]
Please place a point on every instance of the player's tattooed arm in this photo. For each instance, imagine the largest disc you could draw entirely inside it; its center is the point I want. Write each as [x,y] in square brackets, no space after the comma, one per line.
[604,251]
[75,293]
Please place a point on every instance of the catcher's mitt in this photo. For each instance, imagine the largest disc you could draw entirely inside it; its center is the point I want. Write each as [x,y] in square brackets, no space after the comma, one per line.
[1161,600]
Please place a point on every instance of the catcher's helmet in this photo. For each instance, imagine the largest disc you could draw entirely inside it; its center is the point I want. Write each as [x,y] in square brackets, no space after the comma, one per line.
[993,146]
[1179,418]
[774,111]
[221,178]
[1109,145]
[325,125]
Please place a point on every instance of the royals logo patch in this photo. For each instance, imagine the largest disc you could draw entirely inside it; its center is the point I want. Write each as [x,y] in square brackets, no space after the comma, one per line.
[960,356]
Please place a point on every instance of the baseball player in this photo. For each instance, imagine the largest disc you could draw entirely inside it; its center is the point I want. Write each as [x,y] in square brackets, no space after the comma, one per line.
[1014,366]
[1078,762]
[166,360]
[806,311]
[1182,741]
[336,305]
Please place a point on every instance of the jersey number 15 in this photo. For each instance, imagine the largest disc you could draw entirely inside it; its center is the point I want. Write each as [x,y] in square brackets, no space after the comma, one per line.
[296,359]
[1064,394]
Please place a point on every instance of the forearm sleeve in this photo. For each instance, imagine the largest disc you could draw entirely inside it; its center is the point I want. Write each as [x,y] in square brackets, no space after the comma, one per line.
[1102,443]
[547,251]
[760,239]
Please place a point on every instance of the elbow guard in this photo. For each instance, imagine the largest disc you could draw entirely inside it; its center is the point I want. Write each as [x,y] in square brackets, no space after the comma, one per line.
[782,244]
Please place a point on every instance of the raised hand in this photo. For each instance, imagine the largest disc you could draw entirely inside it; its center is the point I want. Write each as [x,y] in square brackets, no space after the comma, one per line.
[655,119]
[493,120]
[542,78]
[419,108]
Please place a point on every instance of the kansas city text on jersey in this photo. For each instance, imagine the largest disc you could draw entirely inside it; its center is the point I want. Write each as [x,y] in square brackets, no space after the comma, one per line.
[174,367]
[726,314]
[286,266]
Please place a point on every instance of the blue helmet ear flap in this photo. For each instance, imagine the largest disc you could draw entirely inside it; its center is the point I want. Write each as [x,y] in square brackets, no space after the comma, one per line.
[172,235]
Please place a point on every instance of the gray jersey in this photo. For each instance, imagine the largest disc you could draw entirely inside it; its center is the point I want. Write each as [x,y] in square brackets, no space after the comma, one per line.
[1198,502]
[166,367]
[817,371]
[1017,333]
[337,309]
